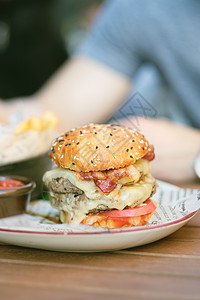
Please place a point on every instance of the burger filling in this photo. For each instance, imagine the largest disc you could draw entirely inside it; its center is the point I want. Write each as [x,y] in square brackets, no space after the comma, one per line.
[79,194]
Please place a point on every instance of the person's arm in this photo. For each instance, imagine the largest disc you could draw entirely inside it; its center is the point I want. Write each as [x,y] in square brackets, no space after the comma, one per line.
[82,91]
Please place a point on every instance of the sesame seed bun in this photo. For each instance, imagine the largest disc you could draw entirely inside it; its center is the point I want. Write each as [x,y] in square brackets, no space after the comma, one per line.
[98,147]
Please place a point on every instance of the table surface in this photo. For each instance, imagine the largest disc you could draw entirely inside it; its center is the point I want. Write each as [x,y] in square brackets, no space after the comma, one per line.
[166,269]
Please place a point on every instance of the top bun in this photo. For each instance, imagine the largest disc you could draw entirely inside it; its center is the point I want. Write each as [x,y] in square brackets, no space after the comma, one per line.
[98,148]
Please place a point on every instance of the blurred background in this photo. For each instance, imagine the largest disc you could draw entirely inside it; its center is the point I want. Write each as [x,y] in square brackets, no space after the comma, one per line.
[36,37]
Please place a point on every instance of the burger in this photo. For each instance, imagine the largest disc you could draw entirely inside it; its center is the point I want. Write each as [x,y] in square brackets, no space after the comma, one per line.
[102,177]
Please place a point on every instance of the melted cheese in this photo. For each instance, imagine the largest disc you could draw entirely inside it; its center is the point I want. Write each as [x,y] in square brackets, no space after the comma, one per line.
[73,209]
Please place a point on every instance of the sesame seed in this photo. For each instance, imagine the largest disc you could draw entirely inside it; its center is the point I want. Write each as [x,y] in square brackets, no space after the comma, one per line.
[142,148]
[77,143]
[133,141]
[110,134]
[96,147]
[60,140]
[127,150]
[66,134]
[141,141]
[73,163]
[131,148]
[131,156]
[95,132]
[107,146]
[92,161]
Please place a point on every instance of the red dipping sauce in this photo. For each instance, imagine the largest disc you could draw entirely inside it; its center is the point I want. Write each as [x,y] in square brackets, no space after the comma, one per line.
[7,184]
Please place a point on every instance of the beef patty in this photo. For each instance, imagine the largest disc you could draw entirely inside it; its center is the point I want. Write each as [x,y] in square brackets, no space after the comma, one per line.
[63,186]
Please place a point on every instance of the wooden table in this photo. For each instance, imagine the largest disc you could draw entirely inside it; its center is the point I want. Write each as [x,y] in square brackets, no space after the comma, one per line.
[167,269]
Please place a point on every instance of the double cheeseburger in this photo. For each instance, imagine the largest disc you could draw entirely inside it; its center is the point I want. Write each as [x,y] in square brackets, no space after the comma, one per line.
[103,177]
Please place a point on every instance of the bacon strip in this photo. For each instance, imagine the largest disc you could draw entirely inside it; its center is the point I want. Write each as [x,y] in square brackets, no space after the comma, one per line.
[150,155]
[106,181]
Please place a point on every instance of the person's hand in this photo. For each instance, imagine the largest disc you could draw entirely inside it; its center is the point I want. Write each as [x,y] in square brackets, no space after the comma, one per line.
[175,148]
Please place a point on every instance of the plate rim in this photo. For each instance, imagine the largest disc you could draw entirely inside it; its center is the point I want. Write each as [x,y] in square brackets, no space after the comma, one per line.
[111,231]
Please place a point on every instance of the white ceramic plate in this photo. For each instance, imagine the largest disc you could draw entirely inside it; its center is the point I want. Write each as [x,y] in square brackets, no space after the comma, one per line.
[103,240]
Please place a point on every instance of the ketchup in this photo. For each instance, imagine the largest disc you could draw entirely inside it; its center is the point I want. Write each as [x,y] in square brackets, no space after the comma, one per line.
[7,184]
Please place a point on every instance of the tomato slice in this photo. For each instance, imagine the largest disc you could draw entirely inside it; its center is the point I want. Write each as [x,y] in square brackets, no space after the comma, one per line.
[7,184]
[147,207]
[137,216]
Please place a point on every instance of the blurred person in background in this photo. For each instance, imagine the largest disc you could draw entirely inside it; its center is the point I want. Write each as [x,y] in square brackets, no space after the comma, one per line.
[98,78]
